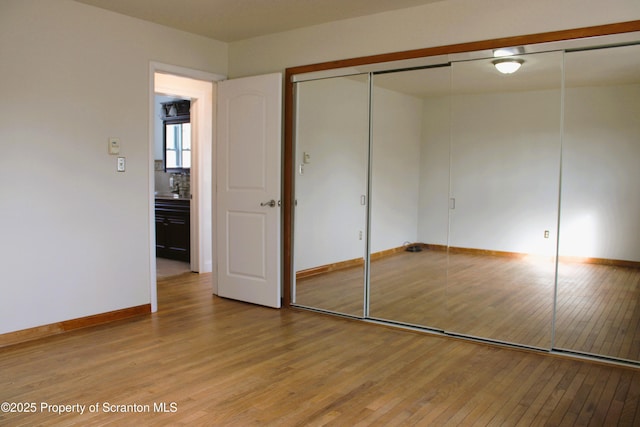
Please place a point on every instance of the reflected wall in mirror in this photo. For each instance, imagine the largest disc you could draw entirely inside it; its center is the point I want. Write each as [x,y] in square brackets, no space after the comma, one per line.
[409,185]
[599,271]
[332,139]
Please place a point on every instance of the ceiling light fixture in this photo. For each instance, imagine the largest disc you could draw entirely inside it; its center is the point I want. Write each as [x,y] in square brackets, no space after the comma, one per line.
[507,65]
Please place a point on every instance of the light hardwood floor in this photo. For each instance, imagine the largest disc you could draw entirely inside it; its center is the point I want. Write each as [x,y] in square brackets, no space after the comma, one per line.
[226,363]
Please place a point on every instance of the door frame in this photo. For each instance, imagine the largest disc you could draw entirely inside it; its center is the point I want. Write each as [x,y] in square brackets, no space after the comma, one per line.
[201,89]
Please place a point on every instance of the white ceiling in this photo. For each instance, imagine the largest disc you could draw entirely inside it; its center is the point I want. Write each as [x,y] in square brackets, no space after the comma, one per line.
[233,20]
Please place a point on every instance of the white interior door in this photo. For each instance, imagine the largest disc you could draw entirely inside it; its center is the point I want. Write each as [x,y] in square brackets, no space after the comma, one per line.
[248,189]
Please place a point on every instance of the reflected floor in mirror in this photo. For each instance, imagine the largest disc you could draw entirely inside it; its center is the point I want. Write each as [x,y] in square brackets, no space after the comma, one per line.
[599,310]
[340,291]
[495,297]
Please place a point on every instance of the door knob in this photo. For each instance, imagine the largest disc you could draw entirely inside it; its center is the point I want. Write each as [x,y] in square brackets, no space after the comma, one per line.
[271,203]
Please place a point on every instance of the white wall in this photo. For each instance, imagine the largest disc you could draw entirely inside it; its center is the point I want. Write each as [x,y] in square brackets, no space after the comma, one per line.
[75,233]
[434,24]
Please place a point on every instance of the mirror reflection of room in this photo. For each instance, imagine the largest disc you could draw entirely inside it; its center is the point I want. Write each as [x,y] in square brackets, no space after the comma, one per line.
[499,206]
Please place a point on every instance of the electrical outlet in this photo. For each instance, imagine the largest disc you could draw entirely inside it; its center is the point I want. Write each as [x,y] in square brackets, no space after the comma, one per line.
[546,234]
[121,164]
[360,235]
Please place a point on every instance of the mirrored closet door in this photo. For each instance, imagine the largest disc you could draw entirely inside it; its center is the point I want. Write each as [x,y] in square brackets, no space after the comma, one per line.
[409,196]
[332,134]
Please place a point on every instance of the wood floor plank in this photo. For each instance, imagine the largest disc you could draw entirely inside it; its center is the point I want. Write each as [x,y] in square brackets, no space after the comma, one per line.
[631,410]
[605,401]
[596,389]
[510,409]
[569,396]
[506,379]
[536,398]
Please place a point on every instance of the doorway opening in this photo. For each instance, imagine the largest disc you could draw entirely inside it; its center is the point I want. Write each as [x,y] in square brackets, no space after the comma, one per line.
[172,177]
[171,82]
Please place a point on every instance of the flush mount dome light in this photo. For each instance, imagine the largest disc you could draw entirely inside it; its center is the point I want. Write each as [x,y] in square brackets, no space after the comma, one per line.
[507,65]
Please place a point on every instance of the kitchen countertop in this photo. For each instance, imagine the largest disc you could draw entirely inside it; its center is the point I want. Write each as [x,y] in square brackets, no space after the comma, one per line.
[171,196]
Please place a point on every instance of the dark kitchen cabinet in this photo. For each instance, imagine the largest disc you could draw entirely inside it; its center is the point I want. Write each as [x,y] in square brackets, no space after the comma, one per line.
[172,229]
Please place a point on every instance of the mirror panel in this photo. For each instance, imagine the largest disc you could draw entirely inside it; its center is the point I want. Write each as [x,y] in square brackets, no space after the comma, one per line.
[598,308]
[331,143]
[505,157]
[409,186]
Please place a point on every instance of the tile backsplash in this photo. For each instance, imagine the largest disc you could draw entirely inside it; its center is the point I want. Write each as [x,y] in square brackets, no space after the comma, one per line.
[172,183]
